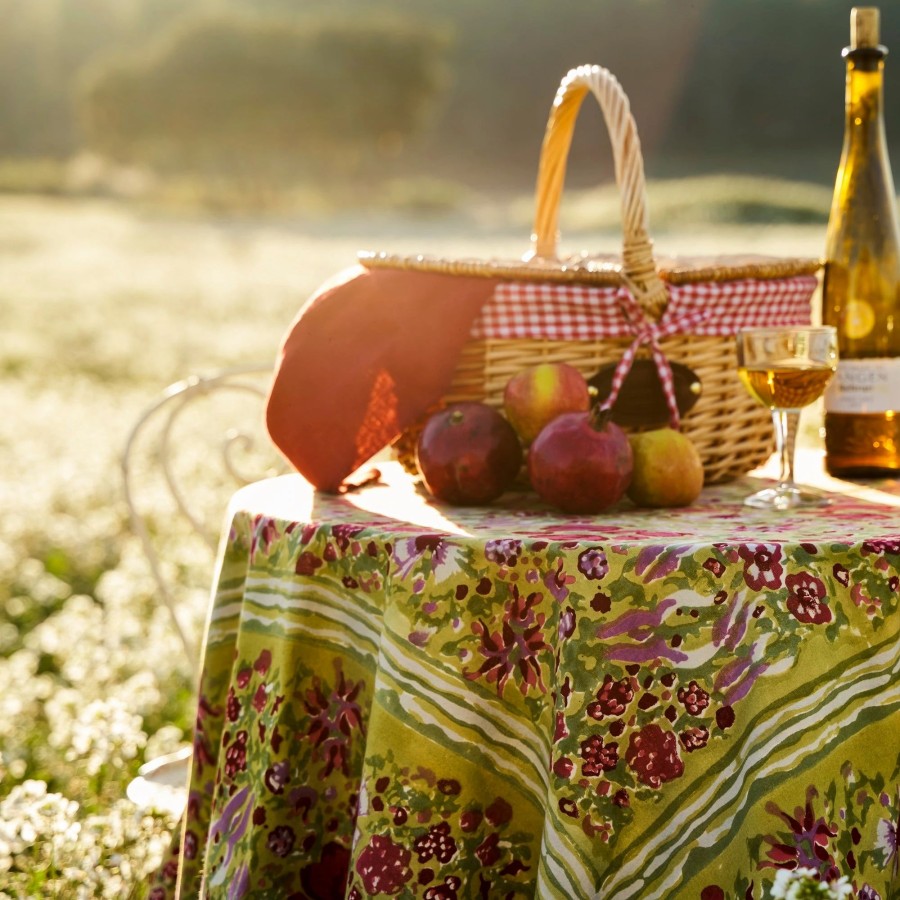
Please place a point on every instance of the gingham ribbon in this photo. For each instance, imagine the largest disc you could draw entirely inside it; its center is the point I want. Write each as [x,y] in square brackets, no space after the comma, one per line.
[583,312]
[649,332]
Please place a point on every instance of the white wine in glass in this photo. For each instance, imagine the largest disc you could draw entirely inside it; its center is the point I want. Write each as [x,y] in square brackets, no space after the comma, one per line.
[786,369]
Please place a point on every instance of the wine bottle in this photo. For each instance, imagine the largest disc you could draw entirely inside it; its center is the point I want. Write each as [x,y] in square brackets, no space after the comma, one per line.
[861,286]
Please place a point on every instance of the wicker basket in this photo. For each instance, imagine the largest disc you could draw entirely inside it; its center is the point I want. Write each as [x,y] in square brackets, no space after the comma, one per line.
[731,431]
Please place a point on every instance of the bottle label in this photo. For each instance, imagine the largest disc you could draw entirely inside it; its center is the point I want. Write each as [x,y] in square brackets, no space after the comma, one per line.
[864,386]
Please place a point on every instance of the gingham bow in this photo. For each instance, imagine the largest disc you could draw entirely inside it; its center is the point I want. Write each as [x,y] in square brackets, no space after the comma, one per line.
[532,310]
[646,331]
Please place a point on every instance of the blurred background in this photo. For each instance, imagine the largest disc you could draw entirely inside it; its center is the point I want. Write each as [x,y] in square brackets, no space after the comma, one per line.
[270,103]
[177,176]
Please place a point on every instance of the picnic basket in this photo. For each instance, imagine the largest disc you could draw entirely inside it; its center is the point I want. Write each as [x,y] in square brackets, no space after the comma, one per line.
[382,344]
[594,311]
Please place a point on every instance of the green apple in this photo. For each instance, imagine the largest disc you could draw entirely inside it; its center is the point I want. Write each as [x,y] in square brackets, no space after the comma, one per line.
[535,396]
[667,470]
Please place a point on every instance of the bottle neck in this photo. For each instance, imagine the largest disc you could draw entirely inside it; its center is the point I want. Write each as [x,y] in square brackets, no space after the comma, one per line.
[865,92]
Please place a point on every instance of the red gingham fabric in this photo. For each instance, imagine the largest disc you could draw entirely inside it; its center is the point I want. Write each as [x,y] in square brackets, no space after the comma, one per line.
[558,312]
[572,312]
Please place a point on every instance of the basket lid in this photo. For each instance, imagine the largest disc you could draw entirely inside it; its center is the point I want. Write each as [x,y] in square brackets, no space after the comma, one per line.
[601,269]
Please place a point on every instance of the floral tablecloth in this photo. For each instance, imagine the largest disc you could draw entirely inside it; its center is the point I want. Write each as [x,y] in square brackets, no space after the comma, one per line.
[410,700]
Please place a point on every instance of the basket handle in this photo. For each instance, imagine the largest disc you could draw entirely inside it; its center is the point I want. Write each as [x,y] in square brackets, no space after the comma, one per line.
[638,264]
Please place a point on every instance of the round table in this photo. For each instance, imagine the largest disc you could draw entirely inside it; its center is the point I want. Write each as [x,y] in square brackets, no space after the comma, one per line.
[402,698]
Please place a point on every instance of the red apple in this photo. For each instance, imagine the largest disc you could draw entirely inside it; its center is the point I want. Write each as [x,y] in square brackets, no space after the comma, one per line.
[581,462]
[537,395]
[468,454]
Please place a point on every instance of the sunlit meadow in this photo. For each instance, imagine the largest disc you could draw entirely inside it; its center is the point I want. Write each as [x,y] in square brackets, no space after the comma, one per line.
[102,305]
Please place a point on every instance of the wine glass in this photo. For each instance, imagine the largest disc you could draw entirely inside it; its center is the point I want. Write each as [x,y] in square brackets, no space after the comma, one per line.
[786,369]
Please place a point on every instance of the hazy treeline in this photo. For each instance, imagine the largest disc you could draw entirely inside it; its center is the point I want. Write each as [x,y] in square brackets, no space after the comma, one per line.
[751,86]
[260,98]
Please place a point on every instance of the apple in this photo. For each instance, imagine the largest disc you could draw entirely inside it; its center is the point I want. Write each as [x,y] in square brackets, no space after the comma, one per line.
[581,462]
[668,470]
[538,394]
[468,454]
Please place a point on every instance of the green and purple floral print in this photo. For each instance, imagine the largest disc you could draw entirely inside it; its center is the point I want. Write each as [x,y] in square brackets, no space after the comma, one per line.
[402,699]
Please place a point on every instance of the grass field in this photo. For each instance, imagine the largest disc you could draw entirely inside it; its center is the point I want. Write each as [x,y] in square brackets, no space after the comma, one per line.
[102,305]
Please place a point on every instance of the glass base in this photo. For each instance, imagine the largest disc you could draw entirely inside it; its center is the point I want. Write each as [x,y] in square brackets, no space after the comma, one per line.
[787,496]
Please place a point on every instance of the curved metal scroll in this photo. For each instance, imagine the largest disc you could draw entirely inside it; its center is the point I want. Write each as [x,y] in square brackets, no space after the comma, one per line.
[155,428]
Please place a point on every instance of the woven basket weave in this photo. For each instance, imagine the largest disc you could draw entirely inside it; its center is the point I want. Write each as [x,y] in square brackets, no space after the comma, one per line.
[732,433]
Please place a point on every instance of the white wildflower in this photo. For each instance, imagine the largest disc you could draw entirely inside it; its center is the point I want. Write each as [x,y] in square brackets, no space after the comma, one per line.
[139,693]
[17,670]
[104,733]
[804,884]
[102,856]
[30,816]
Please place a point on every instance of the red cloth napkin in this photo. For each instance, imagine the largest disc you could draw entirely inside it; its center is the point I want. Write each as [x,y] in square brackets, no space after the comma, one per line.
[368,353]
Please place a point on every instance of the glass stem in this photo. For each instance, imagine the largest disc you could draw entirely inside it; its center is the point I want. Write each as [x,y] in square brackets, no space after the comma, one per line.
[785,421]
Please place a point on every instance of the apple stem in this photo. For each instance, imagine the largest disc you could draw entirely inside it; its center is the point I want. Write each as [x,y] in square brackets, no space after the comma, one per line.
[599,417]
